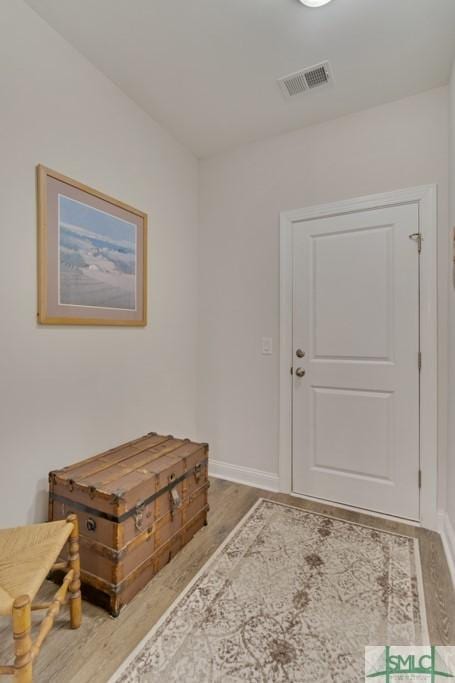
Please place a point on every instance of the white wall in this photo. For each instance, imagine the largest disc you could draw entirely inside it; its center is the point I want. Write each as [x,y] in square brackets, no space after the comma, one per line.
[394,146]
[451,420]
[68,392]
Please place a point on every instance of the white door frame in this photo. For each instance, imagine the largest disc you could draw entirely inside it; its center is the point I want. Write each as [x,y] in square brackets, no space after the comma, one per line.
[426,198]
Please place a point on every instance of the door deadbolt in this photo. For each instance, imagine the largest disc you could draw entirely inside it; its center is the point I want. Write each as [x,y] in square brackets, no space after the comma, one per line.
[300,372]
[299,353]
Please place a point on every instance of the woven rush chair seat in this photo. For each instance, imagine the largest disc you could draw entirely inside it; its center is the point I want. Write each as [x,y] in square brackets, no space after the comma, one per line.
[27,555]
[26,558]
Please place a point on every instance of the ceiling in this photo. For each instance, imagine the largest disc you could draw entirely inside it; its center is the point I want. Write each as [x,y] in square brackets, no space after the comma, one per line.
[207,69]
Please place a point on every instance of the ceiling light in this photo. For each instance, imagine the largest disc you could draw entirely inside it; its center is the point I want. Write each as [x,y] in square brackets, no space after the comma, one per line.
[314,3]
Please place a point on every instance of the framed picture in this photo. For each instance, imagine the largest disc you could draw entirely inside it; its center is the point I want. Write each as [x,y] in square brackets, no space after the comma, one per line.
[92,256]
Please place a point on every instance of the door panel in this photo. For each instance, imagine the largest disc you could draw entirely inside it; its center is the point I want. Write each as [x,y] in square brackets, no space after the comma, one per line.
[356,317]
[352,269]
[339,446]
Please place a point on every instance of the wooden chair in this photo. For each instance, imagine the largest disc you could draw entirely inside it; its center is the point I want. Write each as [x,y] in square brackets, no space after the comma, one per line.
[27,555]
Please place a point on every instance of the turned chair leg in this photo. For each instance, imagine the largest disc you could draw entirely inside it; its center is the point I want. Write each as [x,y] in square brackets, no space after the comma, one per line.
[74,590]
[22,619]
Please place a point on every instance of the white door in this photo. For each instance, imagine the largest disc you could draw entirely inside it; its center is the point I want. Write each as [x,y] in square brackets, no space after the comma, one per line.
[356,388]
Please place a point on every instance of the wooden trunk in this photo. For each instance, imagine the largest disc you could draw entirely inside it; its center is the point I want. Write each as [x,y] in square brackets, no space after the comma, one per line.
[137,505]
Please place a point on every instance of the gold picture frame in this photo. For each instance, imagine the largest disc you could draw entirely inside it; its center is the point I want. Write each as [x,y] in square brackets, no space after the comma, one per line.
[92,255]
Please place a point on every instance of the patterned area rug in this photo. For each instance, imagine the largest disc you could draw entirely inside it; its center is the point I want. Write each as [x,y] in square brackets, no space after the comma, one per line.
[290,596]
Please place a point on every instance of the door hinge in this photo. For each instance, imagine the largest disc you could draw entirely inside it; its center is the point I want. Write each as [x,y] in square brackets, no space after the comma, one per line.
[419,360]
[292,371]
[417,236]
[420,479]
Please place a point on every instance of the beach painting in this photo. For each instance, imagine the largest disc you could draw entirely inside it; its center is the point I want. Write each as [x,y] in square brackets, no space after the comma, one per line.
[97,257]
[92,255]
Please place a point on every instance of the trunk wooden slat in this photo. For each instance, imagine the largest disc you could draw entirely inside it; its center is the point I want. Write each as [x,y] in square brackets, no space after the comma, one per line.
[137,504]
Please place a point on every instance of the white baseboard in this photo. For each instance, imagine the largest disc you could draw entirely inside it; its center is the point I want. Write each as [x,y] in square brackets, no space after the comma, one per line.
[244,475]
[447,532]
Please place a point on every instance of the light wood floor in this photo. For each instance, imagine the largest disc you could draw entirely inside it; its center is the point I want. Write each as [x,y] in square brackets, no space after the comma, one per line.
[93,653]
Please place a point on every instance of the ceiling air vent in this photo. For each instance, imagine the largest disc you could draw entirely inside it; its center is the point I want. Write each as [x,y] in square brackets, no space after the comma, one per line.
[306,79]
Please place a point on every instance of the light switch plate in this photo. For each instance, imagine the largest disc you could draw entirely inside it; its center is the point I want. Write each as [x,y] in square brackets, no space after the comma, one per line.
[266,346]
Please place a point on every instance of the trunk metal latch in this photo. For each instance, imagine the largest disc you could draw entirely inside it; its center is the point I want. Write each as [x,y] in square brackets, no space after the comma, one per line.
[198,472]
[139,516]
[176,500]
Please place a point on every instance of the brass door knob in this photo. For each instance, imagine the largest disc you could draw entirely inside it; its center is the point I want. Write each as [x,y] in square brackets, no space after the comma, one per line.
[299,353]
[300,372]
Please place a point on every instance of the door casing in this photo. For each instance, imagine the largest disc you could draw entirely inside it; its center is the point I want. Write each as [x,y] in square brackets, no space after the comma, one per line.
[426,199]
